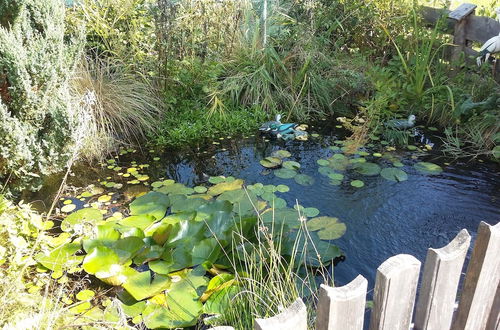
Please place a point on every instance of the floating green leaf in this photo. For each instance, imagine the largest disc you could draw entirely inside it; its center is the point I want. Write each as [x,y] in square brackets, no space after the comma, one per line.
[357,183]
[225,186]
[88,215]
[281,154]
[394,174]
[311,212]
[336,176]
[304,179]
[290,164]
[323,162]
[428,168]
[328,228]
[271,162]
[368,169]
[285,173]
[153,203]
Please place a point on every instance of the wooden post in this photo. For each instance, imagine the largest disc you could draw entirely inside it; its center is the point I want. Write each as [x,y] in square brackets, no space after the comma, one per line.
[442,271]
[481,280]
[294,317]
[494,318]
[342,307]
[395,289]
[461,15]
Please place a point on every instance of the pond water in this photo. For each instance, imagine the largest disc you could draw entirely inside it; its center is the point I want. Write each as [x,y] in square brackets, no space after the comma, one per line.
[383,218]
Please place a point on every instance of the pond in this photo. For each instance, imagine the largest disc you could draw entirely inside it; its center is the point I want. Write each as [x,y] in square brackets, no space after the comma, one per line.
[392,200]
[383,218]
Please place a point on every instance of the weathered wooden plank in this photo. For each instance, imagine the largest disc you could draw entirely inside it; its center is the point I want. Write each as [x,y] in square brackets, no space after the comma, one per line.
[394,297]
[432,15]
[438,292]
[481,280]
[342,307]
[482,28]
[294,317]
[494,318]
[462,11]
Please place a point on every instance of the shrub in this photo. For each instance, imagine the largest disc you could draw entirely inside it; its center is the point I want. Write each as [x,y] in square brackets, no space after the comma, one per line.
[36,121]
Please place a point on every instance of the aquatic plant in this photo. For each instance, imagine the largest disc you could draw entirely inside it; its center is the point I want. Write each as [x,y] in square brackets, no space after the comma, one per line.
[184,241]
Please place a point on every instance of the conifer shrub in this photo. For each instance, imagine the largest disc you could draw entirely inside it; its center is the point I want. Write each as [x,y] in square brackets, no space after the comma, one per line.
[37,122]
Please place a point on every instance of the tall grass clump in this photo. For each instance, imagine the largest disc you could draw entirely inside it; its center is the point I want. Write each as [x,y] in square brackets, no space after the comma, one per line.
[268,280]
[123,107]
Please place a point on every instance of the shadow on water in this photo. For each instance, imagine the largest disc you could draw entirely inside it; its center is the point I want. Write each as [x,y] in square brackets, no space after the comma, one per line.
[383,218]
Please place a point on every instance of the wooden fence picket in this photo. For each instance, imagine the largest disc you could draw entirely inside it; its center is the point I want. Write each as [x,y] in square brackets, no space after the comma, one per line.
[438,291]
[395,290]
[342,307]
[294,317]
[481,280]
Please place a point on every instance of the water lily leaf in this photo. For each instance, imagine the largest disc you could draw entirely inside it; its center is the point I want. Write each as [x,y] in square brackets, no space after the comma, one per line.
[153,203]
[142,286]
[221,299]
[358,160]
[286,216]
[200,189]
[175,189]
[394,174]
[181,203]
[206,250]
[281,154]
[285,173]
[323,162]
[357,183]
[102,262]
[411,147]
[126,248]
[133,309]
[161,266]
[328,227]
[216,179]
[335,182]
[180,307]
[86,215]
[85,295]
[368,169]
[326,171]
[310,212]
[225,186]
[61,257]
[271,162]
[104,198]
[282,188]
[68,208]
[336,176]
[428,168]
[339,162]
[304,179]
[290,164]
[398,164]
[138,221]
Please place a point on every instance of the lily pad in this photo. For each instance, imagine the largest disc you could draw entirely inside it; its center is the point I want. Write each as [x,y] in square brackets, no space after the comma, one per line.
[68,208]
[282,188]
[394,174]
[225,186]
[290,164]
[281,154]
[328,227]
[271,162]
[368,169]
[336,176]
[86,215]
[304,179]
[357,183]
[323,162]
[153,203]
[311,212]
[285,173]
[200,189]
[428,168]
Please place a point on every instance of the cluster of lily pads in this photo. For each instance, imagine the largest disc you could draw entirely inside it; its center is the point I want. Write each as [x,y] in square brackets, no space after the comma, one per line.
[172,257]
[286,169]
[336,166]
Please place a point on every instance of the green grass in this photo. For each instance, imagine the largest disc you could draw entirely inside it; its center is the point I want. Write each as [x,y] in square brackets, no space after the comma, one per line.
[192,124]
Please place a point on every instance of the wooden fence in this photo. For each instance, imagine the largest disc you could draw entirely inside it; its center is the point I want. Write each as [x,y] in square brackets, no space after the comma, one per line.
[466,28]
[343,308]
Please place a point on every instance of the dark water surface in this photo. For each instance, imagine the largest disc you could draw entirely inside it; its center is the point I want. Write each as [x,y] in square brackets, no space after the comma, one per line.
[383,218]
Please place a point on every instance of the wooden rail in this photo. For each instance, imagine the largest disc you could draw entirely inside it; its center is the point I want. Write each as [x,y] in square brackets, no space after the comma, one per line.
[343,308]
[465,27]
